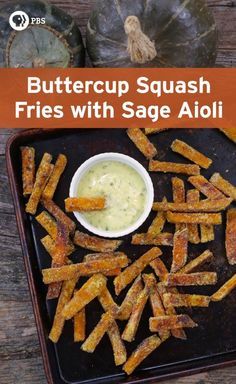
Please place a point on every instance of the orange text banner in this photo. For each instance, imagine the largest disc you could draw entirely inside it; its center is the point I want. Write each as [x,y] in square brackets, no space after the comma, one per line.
[118,98]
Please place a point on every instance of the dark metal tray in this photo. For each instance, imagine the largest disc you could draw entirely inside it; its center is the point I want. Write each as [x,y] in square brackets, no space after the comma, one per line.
[212,344]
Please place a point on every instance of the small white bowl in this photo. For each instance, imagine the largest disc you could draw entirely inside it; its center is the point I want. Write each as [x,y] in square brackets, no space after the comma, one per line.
[123,159]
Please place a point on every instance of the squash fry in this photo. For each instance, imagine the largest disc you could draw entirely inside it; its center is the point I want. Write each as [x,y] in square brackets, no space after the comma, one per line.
[178,300]
[58,214]
[43,173]
[205,187]
[193,264]
[128,303]
[163,323]
[163,166]
[28,169]
[157,225]
[206,205]
[79,325]
[180,250]
[190,153]
[107,302]
[193,235]
[230,133]
[97,334]
[54,289]
[137,310]
[141,141]
[194,218]
[50,246]
[230,236]
[145,348]
[102,256]
[129,274]
[225,289]
[170,310]
[118,346]
[161,271]
[59,321]
[84,204]
[61,244]
[178,196]
[164,238]
[207,233]
[48,223]
[223,185]
[150,131]
[91,289]
[198,278]
[113,332]
[95,243]
[156,302]
[88,268]
[53,181]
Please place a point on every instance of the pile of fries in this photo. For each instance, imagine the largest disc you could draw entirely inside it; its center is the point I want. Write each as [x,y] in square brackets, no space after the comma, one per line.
[194,220]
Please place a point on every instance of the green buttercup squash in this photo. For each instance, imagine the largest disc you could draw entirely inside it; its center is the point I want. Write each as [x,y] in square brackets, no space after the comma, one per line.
[57,43]
[152,33]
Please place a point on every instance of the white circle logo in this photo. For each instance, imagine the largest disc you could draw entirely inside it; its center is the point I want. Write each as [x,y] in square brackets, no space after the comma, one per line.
[19,20]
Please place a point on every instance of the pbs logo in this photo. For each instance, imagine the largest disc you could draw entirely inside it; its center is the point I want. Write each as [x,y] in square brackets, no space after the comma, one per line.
[19,20]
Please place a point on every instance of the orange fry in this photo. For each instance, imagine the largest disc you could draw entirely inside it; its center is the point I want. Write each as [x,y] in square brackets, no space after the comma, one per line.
[193,264]
[164,238]
[207,233]
[225,289]
[194,218]
[113,332]
[230,236]
[230,133]
[129,274]
[84,204]
[95,243]
[53,181]
[193,235]
[206,205]
[149,131]
[141,141]
[156,302]
[178,300]
[143,350]
[157,225]
[162,166]
[105,255]
[48,223]
[79,326]
[44,171]
[83,269]
[59,321]
[117,343]
[180,250]
[128,303]
[163,323]
[98,332]
[91,289]
[191,154]
[58,214]
[137,310]
[205,187]
[223,185]
[178,196]
[50,246]
[170,310]
[61,244]
[198,278]
[161,271]
[28,169]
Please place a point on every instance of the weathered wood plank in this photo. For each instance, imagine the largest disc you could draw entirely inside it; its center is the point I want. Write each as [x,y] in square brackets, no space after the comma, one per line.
[22,371]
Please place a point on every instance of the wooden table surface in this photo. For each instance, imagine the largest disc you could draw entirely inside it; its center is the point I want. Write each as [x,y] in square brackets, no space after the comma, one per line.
[20,359]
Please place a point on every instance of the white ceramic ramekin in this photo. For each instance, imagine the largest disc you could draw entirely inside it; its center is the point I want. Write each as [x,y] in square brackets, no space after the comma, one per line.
[123,159]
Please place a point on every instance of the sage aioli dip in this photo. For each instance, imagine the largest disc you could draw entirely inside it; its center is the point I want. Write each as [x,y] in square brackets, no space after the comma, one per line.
[124,190]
